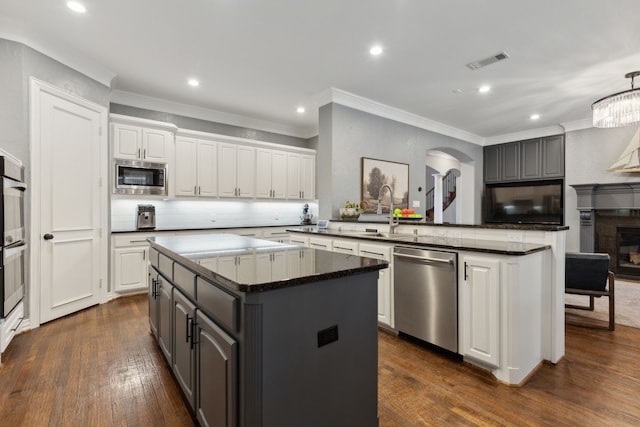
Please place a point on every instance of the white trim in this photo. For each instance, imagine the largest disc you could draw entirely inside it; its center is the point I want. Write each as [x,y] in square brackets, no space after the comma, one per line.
[36,88]
[89,68]
[188,133]
[157,104]
[528,134]
[137,121]
[373,107]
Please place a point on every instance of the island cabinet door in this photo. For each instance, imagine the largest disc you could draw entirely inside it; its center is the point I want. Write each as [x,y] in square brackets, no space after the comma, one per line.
[216,372]
[183,354]
[165,329]
[479,279]
[153,301]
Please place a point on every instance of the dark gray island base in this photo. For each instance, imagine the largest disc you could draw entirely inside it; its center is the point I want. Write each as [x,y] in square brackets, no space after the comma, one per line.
[260,333]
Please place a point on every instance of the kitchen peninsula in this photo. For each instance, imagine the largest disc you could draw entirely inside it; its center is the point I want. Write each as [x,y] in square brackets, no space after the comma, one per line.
[510,281]
[260,333]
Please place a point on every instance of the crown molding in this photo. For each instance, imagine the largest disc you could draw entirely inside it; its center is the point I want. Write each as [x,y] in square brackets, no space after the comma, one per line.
[158,104]
[358,102]
[577,125]
[528,134]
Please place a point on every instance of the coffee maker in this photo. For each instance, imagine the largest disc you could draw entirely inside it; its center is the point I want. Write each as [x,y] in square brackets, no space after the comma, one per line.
[146,219]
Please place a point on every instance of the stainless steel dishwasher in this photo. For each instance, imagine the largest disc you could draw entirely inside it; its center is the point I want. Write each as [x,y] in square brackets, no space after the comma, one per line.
[426,295]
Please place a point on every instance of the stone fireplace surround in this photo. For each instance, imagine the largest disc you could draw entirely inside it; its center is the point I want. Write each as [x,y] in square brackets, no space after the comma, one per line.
[605,210]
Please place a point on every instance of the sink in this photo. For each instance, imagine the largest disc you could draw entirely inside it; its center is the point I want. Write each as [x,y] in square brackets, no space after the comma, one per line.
[378,235]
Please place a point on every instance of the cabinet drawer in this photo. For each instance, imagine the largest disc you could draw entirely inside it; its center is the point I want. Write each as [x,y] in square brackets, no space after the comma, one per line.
[220,305]
[165,265]
[345,247]
[321,243]
[185,280]
[153,258]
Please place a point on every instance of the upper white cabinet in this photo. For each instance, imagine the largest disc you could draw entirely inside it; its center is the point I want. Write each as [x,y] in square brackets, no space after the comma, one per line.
[271,174]
[236,170]
[301,174]
[196,167]
[140,139]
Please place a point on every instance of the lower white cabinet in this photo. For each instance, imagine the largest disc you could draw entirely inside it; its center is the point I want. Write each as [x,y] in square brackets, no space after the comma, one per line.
[272,265]
[239,268]
[480,308]
[385,280]
[324,243]
[299,240]
[345,246]
[130,272]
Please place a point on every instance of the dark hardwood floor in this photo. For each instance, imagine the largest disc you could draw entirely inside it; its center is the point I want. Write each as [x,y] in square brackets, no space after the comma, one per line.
[100,367]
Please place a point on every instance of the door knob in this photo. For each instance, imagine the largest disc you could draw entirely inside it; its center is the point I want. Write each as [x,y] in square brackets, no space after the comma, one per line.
[48,236]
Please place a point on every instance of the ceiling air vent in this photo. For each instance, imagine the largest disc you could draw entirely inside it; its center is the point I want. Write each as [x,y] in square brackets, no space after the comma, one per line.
[490,60]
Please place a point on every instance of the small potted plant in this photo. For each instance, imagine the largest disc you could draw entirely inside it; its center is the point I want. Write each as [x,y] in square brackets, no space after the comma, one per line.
[351,211]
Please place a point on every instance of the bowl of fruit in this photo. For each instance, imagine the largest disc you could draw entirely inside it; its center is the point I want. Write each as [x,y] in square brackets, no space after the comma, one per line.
[351,211]
[409,214]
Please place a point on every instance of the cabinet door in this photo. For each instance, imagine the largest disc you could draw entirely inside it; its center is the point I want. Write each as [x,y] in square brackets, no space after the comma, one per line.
[153,302]
[227,267]
[492,170]
[127,141]
[479,311]
[264,189]
[553,156]
[227,170]
[384,296]
[279,174]
[165,329]
[246,171]
[510,161]
[530,159]
[321,243]
[183,342]
[279,266]
[246,268]
[130,272]
[216,370]
[308,177]
[207,167]
[294,164]
[155,145]
[185,171]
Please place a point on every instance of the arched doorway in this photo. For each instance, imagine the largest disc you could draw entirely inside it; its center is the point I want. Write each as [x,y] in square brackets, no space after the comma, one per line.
[450,178]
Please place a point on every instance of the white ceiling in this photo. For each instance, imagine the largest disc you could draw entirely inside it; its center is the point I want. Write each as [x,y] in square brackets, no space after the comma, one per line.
[264,58]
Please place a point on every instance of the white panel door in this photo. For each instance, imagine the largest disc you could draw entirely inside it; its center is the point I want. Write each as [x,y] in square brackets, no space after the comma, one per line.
[185,167]
[130,268]
[72,165]
[294,163]
[308,177]
[155,145]
[279,174]
[207,165]
[227,170]
[246,172]
[264,189]
[126,141]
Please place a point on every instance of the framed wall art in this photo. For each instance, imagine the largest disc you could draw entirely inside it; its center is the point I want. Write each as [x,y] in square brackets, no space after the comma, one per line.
[375,174]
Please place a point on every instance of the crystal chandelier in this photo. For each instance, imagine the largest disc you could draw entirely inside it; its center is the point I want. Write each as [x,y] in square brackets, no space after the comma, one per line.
[619,109]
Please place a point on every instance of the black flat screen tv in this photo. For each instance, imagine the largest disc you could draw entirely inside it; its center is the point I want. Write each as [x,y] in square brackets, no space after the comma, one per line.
[525,203]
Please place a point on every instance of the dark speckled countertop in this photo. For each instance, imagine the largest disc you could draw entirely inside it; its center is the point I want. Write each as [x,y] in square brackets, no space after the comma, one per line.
[190,251]
[459,244]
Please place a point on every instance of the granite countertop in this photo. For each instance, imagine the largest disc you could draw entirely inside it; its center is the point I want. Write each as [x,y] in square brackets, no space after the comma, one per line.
[475,245]
[376,219]
[191,250]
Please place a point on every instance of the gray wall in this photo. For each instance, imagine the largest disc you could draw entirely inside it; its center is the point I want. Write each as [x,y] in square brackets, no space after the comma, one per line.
[346,135]
[211,127]
[588,155]
[17,64]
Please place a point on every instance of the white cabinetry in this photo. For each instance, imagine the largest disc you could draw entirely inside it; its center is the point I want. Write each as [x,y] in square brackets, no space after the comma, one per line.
[130,252]
[299,239]
[345,246]
[479,308]
[385,279]
[239,268]
[271,265]
[301,176]
[196,167]
[139,142]
[236,170]
[324,243]
[271,174]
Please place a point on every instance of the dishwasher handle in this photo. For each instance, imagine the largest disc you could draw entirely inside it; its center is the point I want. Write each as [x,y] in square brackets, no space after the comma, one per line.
[425,259]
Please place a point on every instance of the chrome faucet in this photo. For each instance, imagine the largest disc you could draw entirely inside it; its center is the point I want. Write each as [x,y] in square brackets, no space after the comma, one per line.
[392,223]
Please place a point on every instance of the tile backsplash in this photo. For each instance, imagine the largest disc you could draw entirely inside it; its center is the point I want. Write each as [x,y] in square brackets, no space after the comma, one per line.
[189,214]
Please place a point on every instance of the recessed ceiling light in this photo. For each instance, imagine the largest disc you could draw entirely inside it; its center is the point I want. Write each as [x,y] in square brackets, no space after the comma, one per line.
[193,82]
[375,50]
[76,6]
[534,116]
[484,89]
[300,110]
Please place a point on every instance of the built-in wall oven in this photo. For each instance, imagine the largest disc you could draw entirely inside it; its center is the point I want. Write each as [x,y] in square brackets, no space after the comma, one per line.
[12,224]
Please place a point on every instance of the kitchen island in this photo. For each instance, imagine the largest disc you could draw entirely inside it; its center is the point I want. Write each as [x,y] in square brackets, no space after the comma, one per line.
[260,333]
[510,286]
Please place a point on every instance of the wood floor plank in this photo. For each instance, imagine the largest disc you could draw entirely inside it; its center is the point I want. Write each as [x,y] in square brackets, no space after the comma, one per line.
[101,367]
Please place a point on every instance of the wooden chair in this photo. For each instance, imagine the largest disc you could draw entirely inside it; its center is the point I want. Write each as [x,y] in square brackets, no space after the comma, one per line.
[588,274]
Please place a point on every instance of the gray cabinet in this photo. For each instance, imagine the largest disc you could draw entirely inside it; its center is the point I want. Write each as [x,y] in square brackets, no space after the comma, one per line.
[216,368]
[529,160]
[165,328]
[510,161]
[553,157]
[184,313]
[153,302]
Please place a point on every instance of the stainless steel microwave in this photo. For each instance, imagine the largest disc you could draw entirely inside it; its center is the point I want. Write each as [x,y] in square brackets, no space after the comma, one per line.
[140,178]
